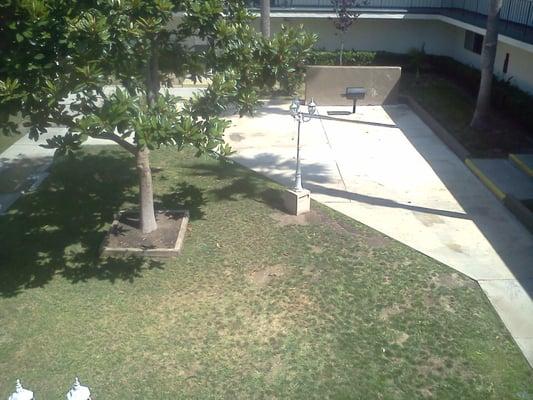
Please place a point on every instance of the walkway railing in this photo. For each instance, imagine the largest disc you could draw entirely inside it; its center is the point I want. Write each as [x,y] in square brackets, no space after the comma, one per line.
[513,11]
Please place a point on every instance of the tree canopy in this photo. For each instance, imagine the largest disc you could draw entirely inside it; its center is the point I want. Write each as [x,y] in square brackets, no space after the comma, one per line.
[96,67]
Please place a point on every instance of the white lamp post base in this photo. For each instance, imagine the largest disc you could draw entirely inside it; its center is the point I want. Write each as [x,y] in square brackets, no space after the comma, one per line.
[297,202]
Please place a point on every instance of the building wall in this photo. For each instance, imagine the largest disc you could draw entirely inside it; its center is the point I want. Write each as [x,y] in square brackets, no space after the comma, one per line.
[401,35]
[520,65]
[394,35]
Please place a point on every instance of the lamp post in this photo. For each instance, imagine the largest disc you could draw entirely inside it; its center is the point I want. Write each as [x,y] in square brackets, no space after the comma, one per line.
[300,117]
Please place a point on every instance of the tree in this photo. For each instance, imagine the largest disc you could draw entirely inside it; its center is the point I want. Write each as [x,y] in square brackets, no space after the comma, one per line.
[287,52]
[488,55]
[346,16]
[417,57]
[57,58]
[265,18]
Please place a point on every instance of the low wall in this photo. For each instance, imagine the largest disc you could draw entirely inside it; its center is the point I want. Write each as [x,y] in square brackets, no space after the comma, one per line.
[327,84]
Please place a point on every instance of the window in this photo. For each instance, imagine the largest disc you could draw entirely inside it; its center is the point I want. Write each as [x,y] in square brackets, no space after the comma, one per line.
[506,63]
[473,42]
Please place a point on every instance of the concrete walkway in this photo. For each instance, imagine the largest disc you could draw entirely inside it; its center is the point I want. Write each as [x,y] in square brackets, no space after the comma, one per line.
[385,168]
[23,167]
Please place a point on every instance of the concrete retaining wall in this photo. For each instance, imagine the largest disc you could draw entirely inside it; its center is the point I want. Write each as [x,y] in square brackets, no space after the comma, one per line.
[327,84]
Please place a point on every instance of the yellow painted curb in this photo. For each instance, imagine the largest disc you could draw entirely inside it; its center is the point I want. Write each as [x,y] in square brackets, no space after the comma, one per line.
[486,181]
[524,167]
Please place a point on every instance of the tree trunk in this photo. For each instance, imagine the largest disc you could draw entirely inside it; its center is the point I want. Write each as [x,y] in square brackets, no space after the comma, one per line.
[146,192]
[488,55]
[152,76]
[265,18]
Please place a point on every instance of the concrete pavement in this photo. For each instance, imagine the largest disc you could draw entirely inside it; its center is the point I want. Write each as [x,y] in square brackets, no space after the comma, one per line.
[385,168]
[22,168]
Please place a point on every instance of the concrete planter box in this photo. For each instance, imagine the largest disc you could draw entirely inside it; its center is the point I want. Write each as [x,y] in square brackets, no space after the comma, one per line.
[110,249]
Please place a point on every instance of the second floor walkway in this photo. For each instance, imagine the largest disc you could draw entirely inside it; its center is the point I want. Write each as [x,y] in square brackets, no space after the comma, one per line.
[516,17]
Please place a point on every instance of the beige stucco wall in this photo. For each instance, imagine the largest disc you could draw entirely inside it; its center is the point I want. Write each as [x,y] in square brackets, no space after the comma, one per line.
[520,66]
[520,61]
[327,84]
[393,35]
[401,35]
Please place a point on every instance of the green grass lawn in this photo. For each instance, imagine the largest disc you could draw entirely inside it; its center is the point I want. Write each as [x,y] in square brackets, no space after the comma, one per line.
[259,305]
[454,107]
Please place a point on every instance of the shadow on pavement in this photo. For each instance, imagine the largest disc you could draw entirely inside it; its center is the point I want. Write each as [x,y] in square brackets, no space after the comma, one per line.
[316,175]
[511,241]
[18,174]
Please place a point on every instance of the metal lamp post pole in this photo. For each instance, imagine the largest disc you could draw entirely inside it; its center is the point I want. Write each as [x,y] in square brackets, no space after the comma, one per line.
[298,176]
[299,117]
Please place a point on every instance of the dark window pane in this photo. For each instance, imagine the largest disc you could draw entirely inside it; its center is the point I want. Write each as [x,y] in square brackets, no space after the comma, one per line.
[478,43]
[473,42]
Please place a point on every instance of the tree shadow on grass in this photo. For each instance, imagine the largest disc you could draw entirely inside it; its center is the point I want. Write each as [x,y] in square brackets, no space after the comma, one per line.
[58,229]
[244,183]
[184,196]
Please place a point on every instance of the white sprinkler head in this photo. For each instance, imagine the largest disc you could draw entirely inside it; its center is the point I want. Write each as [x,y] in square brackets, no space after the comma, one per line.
[21,393]
[295,106]
[311,107]
[78,392]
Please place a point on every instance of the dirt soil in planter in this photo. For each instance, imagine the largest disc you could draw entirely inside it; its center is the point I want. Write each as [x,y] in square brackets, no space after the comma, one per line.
[127,232]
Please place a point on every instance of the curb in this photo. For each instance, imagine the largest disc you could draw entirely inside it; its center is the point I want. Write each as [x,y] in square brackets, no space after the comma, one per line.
[436,127]
[521,164]
[521,212]
[485,179]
